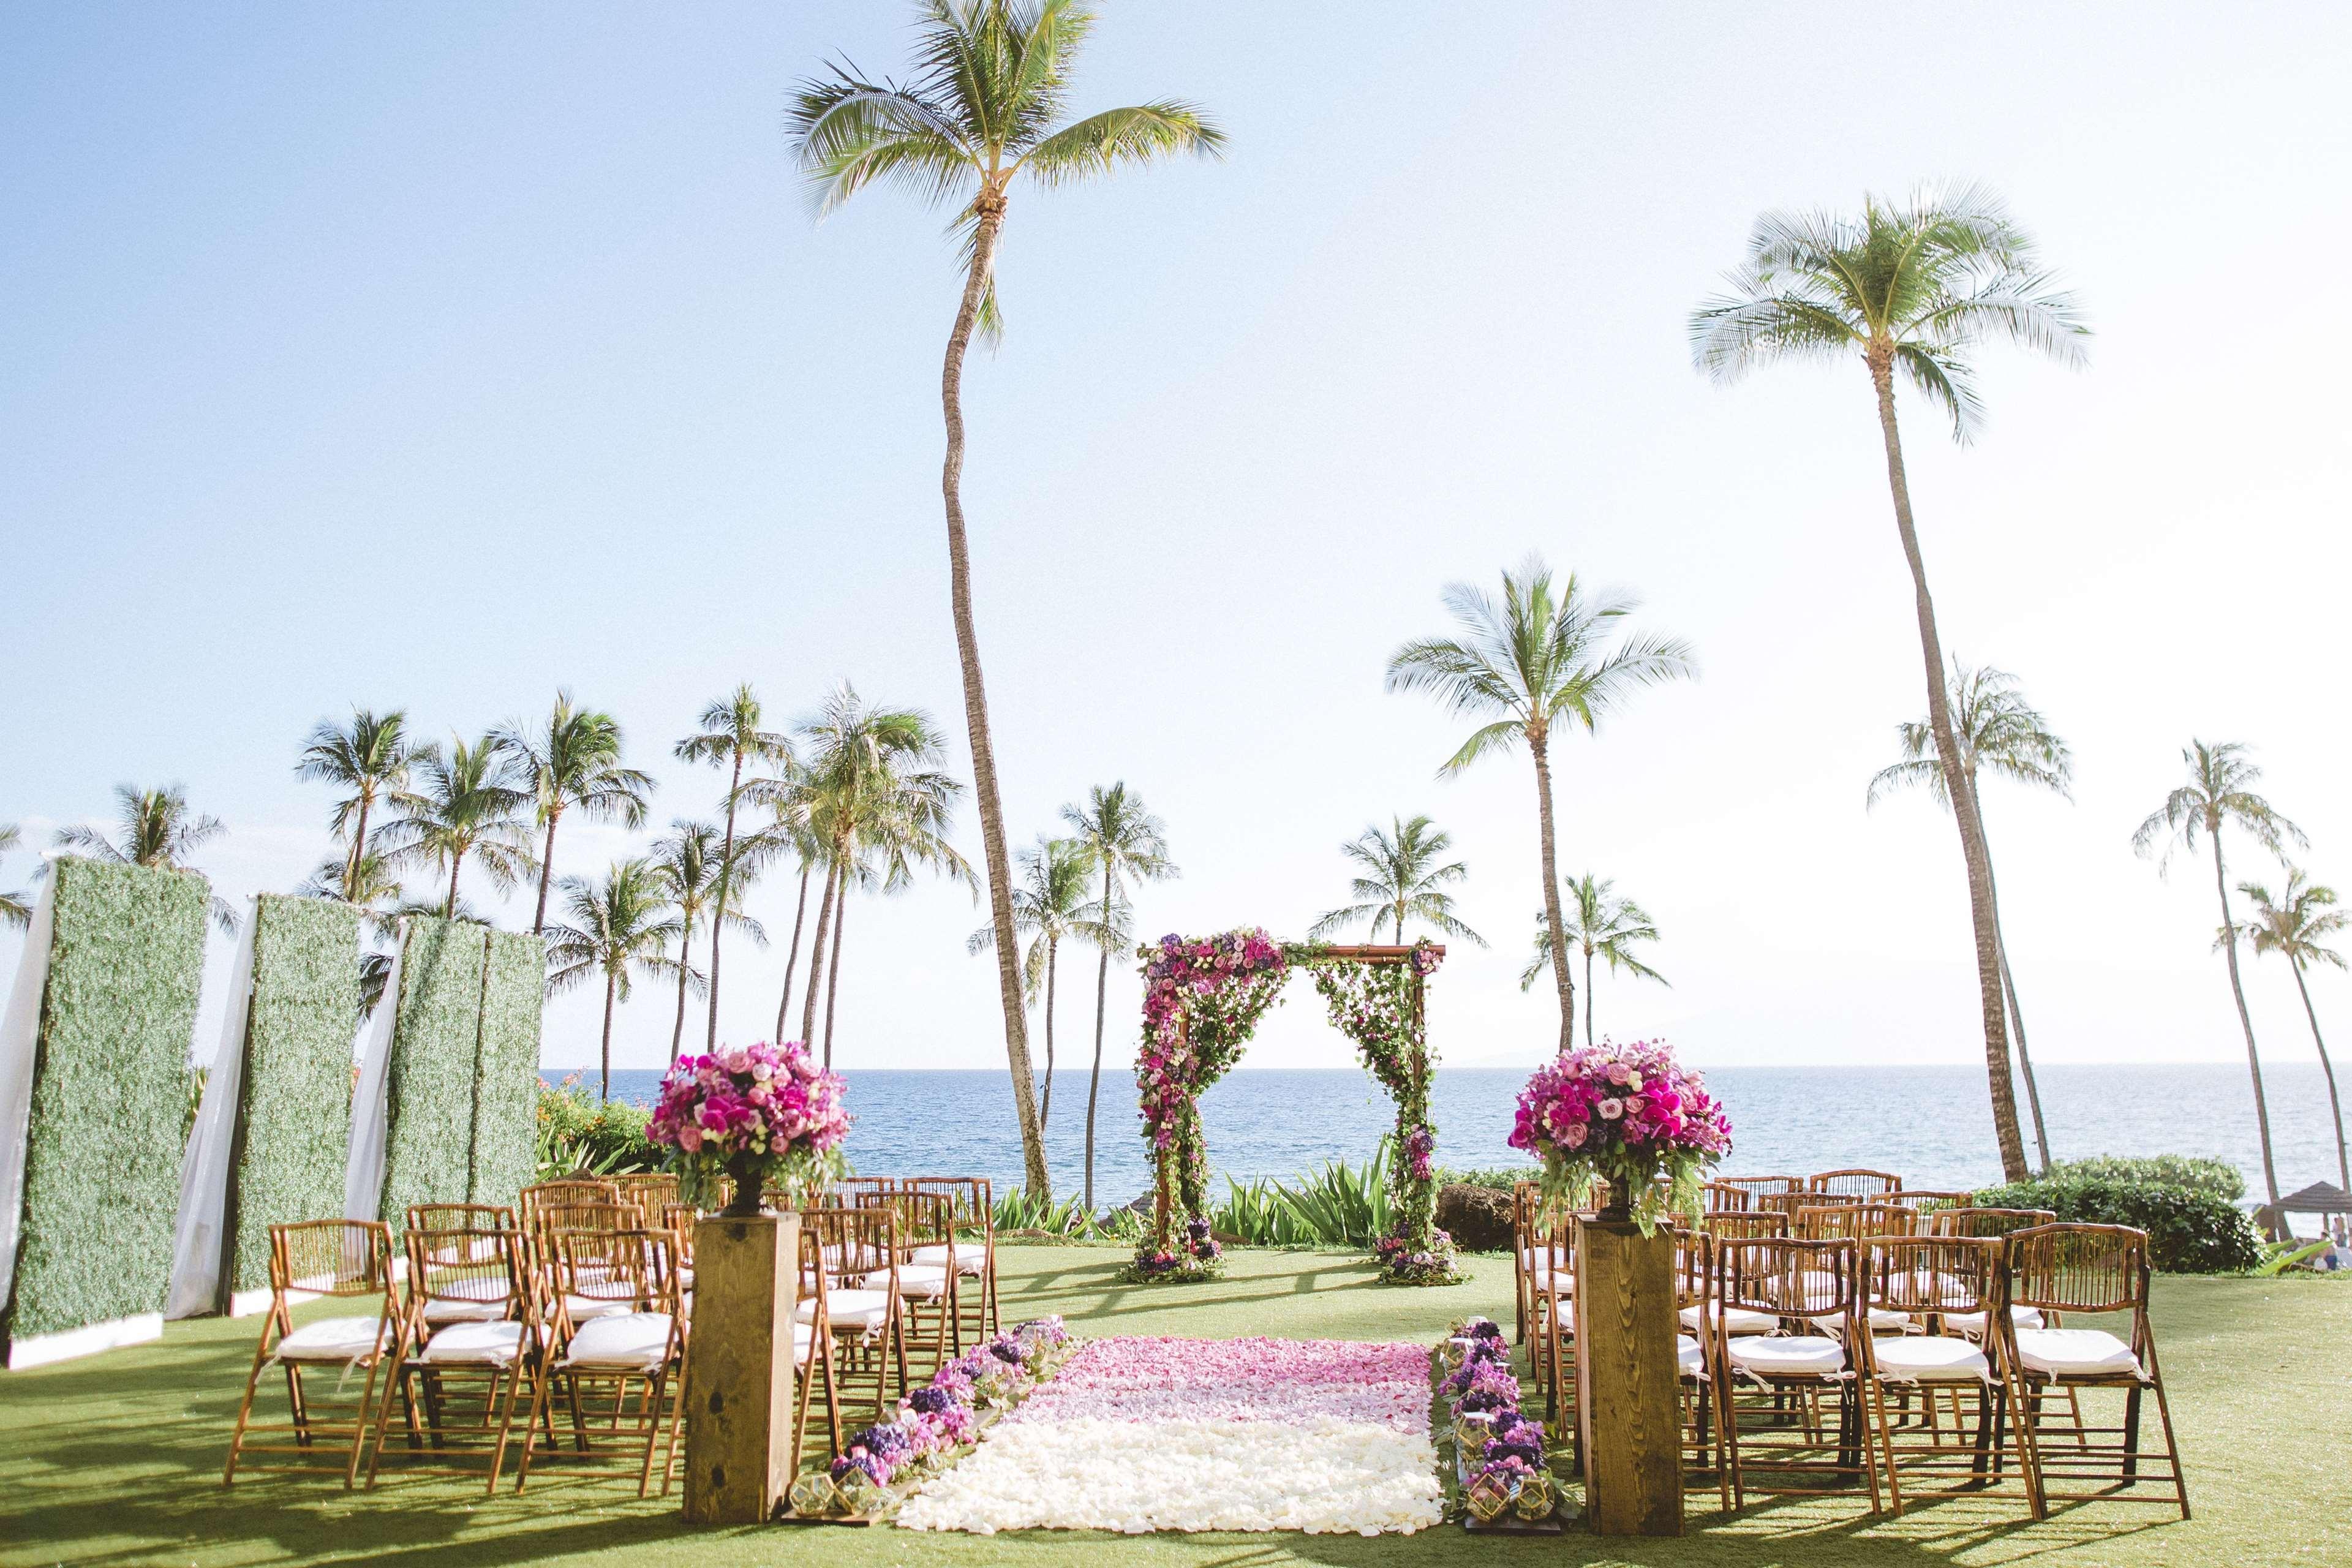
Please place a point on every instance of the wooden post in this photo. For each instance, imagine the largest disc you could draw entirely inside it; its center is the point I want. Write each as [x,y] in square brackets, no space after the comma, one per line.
[738,1368]
[1627,1389]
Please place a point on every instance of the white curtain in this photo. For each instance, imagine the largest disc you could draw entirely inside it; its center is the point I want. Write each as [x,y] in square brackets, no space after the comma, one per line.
[20,1045]
[200,1244]
[363,1176]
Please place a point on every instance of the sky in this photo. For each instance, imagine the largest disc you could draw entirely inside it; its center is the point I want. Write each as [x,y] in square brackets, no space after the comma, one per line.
[435,357]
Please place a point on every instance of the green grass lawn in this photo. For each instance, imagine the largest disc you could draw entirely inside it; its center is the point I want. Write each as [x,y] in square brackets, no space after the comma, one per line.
[117,1460]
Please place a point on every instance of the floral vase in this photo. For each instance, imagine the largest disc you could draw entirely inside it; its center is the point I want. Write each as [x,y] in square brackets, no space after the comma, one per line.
[748,1172]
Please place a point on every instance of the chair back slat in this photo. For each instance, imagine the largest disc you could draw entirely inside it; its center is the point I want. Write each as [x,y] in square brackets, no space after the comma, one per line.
[330,1257]
[1759,1224]
[477,1268]
[1788,1278]
[612,1269]
[460,1217]
[1758,1185]
[1856,1182]
[1853,1221]
[2079,1269]
[1923,1274]
[1693,1268]
[1987,1222]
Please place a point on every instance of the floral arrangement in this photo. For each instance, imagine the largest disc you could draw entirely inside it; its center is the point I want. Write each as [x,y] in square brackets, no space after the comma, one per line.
[1403,1263]
[1498,1453]
[1148,1434]
[758,1112]
[935,1424]
[1625,1113]
[1197,1258]
[1203,998]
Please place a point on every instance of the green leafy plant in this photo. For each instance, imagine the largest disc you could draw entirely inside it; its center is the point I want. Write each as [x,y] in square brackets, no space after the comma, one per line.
[577,1131]
[2187,1207]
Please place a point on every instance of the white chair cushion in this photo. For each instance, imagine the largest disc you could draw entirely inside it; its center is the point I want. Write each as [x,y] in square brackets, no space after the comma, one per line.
[473,1344]
[864,1310]
[2075,1353]
[1793,1355]
[334,1339]
[1972,1323]
[1551,1284]
[1689,1358]
[803,1336]
[1740,1321]
[634,1341]
[1929,1358]
[588,1309]
[481,1300]
[970,1261]
[915,1280]
[1882,1321]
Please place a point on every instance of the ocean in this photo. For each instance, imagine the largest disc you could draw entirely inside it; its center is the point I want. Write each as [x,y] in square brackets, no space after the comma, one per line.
[1929,1123]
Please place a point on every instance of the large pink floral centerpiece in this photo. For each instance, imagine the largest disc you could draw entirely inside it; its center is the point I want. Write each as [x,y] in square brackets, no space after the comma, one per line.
[760,1114]
[1627,1114]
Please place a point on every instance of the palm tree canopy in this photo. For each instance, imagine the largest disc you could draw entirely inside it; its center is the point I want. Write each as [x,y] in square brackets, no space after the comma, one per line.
[1051,904]
[730,727]
[688,861]
[1599,924]
[16,908]
[1405,868]
[1997,731]
[987,104]
[2299,923]
[371,885]
[1538,659]
[623,923]
[1120,836]
[2220,790]
[874,794]
[573,759]
[368,760]
[155,829]
[1917,282]
[468,804]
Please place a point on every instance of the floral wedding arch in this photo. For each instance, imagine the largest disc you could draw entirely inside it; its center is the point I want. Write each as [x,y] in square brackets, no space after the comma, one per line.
[1203,1000]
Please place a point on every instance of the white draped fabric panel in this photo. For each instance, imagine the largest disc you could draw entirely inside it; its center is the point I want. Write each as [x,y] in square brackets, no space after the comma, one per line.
[363,1176]
[20,1044]
[200,1242]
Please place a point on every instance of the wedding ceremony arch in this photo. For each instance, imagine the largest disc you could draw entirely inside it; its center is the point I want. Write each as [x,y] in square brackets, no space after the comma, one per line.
[1203,1000]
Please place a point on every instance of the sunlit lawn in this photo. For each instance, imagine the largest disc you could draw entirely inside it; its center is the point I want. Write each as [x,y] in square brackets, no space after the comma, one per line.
[117,1460]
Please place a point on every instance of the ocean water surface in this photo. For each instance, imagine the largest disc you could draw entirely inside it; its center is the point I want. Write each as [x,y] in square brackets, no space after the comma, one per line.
[1929,1123]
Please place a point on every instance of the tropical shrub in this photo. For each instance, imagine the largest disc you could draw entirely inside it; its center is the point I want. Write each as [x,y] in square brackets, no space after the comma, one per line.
[1337,1205]
[577,1131]
[2185,1205]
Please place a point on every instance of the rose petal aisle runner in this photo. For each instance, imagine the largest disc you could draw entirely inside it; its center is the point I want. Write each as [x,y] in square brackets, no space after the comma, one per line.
[1135,1434]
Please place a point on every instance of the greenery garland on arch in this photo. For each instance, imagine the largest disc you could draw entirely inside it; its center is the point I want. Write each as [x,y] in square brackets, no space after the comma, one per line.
[1203,998]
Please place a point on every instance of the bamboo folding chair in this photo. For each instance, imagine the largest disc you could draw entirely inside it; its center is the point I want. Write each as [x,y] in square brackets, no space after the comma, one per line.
[1729,1197]
[459,1216]
[2089,1268]
[1756,1186]
[928,1292]
[1927,1278]
[858,1286]
[569,1190]
[1997,1223]
[1526,1201]
[1924,1201]
[622,1369]
[651,1190]
[1775,1436]
[1700,1319]
[1695,1365]
[1857,1183]
[1552,1316]
[975,1217]
[549,1220]
[1851,1222]
[345,1259]
[469,1340]
[812,1347]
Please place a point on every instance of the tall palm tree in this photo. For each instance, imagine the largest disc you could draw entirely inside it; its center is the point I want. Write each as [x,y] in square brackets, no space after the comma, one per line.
[729,735]
[874,792]
[1050,907]
[617,926]
[1400,878]
[793,830]
[468,806]
[688,863]
[573,759]
[16,908]
[1124,841]
[985,107]
[369,759]
[156,828]
[1537,660]
[2221,792]
[1908,286]
[371,885]
[1998,729]
[2296,926]
[1599,924]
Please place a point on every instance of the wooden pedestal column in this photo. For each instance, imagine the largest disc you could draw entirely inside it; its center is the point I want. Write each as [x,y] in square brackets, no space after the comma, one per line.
[739,1369]
[1628,1392]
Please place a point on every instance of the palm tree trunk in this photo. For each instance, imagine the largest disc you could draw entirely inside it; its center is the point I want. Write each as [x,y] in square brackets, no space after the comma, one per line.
[1045,1104]
[792,960]
[546,875]
[1558,935]
[457,864]
[359,849]
[2009,991]
[1990,999]
[2343,1165]
[685,947]
[2245,1019]
[816,960]
[832,980]
[605,1074]
[718,910]
[991,209]
[1589,1037]
[1094,1083]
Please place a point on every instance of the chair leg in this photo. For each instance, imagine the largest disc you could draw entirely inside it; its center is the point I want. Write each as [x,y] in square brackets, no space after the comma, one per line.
[2171,1447]
[245,1409]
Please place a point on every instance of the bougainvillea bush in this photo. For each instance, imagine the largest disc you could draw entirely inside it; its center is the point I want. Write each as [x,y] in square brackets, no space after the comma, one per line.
[1627,1114]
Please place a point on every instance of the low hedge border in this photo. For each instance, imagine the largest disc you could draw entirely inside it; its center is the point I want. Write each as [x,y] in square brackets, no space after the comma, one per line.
[2187,1206]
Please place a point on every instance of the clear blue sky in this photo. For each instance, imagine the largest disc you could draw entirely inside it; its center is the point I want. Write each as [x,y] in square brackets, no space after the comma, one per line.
[433,356]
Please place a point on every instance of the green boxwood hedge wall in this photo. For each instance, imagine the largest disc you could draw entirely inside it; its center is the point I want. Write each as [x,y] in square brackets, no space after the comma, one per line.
[294,1117]
[506,1081]
[110,1096]
[430,1121]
